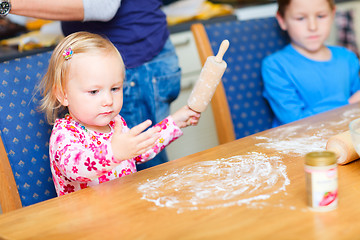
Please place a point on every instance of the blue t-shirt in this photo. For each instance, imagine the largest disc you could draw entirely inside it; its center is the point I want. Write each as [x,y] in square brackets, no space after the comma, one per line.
[298,87]
[138,30]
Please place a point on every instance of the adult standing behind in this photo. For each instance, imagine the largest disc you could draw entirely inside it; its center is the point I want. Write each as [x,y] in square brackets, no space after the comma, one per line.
[138,28]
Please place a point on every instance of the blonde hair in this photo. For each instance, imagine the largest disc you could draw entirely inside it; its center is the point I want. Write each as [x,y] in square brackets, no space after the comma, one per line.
[283,4]
[54,82]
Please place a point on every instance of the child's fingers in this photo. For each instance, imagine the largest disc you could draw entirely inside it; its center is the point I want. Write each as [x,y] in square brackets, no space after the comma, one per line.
[149,143]
[151,132]
[140,128]
[191,114]
[194,118]
[118,124]
[194,121]
[195,114]
[154,130]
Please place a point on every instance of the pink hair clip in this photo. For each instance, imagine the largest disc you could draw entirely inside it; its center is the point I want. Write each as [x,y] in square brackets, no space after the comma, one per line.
[68,53]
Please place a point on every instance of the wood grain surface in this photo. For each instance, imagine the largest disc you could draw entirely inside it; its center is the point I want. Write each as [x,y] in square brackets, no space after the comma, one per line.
[117,210]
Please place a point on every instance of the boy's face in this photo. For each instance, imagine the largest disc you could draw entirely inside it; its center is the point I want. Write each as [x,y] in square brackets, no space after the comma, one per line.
[308,23]
[94,89]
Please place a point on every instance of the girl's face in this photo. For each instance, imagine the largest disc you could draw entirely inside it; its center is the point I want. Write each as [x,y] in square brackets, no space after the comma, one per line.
[94,89]
[308,23]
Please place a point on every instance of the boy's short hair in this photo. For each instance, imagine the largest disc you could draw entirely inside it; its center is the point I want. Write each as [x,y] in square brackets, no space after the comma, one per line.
[283,4]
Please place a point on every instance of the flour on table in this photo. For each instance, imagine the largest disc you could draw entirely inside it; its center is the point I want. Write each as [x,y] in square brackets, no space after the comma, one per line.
[350,114]
[237,180]
[244,179]
[291,140]
[295,140]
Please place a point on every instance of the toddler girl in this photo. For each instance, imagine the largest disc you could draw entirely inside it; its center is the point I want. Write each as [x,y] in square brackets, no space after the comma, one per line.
[91,143]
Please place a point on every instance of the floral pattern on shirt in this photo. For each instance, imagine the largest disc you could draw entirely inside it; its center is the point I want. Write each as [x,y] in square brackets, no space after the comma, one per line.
[80,157]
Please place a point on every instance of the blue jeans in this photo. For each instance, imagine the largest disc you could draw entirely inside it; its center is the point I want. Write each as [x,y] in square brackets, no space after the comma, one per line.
[148,91]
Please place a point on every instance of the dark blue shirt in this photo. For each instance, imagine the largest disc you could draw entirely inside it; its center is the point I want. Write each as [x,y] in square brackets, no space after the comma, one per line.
[138,30]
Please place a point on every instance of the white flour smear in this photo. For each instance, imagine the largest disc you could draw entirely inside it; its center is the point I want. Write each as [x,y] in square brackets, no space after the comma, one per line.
[222,182]
[295,140]
[347,116]
[291,140]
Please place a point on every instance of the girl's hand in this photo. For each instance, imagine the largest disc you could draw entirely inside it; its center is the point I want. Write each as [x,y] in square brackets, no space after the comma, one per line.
[185,116]
[135,142]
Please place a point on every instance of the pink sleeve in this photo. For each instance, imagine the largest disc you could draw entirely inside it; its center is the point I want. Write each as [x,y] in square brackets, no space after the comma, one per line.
[169,132]
[77,157]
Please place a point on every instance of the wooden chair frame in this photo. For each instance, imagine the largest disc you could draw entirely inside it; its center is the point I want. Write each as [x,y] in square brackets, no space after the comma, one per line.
[219,103]
[9,195]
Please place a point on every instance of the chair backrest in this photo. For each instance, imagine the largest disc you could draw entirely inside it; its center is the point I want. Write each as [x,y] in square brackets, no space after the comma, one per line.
[238,105]
[25,176]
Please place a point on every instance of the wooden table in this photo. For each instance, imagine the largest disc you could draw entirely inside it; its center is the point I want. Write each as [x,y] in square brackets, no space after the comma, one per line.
[118,210]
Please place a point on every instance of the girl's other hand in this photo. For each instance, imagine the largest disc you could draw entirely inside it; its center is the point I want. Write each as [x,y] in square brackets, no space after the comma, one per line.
[185,117]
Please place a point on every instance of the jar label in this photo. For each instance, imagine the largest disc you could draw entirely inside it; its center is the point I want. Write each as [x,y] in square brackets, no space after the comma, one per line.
[322,188]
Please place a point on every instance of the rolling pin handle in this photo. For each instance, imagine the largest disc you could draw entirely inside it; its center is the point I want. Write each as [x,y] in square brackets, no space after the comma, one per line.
[223,48]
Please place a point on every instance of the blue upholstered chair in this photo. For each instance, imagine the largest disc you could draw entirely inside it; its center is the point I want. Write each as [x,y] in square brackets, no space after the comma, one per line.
[25,176]
[238,105]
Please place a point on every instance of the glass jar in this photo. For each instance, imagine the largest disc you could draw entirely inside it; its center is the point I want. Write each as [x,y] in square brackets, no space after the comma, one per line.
[321,180]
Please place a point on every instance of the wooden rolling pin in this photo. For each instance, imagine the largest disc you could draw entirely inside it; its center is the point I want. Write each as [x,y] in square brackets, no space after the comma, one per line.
[342,145]
[209,79]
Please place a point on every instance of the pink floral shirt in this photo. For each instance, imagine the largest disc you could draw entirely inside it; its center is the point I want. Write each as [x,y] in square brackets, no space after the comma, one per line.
[80,158]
